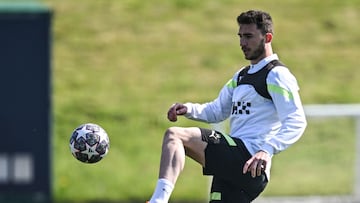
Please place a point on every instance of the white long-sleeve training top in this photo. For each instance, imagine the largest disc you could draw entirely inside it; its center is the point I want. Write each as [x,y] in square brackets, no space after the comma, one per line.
[262,124]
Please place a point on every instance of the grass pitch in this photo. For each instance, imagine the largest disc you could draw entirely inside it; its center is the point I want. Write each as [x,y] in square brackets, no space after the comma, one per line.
[120,64]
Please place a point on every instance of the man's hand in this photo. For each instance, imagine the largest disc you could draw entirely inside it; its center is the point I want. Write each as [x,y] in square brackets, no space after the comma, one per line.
[175,110]
[257,163]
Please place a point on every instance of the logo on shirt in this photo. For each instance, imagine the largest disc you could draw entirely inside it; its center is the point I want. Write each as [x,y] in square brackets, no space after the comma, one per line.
[240,108]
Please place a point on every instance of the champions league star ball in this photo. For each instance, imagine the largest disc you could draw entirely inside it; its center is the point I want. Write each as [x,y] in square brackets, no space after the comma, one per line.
[89,143]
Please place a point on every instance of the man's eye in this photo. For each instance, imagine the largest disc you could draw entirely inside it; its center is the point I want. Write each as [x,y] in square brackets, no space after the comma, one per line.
[245,36]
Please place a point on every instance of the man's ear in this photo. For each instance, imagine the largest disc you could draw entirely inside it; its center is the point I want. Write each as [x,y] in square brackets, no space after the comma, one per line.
[268,37]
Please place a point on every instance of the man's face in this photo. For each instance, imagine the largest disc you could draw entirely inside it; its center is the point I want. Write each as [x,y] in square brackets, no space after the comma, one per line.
[252,42]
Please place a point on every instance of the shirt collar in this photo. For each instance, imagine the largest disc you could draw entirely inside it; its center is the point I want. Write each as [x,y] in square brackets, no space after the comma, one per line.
[256,67]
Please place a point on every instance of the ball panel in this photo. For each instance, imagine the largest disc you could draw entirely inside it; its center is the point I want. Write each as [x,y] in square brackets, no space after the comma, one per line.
[73,136]
[80,144]
[92,127]
[81,156]
[102,147]
[94,159]
[92,138]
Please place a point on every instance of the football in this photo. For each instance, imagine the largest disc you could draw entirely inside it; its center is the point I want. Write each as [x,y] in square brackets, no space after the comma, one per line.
[89,143]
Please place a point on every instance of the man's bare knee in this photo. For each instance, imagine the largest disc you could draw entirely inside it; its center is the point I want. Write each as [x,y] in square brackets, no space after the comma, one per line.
[179,133]
[172,133]
[172,138]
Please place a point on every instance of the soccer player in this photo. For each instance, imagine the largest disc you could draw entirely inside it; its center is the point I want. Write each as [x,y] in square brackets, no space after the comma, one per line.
[265,114]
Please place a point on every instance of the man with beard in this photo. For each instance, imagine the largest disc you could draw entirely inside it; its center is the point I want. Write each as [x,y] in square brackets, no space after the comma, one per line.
[266,117]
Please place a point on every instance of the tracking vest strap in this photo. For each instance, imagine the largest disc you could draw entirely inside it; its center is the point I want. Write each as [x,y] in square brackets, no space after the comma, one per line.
[258,79]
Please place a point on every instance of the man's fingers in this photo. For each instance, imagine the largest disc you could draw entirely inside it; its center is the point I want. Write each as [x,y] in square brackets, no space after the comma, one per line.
[172,115]
[181,111]
[260,167]
[247,165]
[254,166]
[175,110]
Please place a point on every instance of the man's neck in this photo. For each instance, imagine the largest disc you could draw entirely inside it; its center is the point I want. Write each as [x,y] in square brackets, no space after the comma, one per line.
[268,52]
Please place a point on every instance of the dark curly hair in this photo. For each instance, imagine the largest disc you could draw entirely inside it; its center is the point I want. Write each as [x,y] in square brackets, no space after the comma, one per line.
[261,19]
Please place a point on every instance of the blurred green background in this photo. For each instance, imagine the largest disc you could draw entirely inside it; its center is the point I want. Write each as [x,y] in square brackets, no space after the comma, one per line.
[121,64]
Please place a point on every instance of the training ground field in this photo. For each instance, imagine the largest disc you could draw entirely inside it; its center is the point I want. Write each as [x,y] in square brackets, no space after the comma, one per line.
[121,64]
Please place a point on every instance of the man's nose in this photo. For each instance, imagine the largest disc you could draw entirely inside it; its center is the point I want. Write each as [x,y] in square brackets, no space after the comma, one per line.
[243,42]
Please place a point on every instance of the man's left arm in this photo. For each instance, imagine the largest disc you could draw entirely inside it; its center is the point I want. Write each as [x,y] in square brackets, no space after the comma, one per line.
[284,90]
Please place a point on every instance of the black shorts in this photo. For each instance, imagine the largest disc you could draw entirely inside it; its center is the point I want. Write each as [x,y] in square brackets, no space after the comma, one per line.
[224,160]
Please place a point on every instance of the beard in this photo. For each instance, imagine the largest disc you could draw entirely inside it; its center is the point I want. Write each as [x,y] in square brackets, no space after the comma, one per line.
[258,52]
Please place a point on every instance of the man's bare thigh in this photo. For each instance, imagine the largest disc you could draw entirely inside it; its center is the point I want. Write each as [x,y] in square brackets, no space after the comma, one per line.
[192,141]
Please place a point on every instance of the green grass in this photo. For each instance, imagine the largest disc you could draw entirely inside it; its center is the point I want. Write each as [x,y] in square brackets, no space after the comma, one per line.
[122,63]
[322,160]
